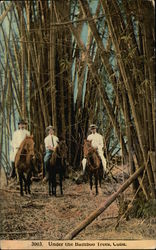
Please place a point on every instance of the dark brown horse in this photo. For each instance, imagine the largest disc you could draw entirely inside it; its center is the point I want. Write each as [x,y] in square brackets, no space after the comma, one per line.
[24,164]
[94,165]
[57,166]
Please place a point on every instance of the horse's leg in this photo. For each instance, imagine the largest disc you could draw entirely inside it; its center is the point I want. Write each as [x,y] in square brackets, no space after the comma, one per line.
[54,182]
[50,182]
[61,176]
[100,181]
[54,186]
[100,174]
[25,183]
[28,185]
[21,184]
[50,188]
[91,182]
[29,182]
[96,182]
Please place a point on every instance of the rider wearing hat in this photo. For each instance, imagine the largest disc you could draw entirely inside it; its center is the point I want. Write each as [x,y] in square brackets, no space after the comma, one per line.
[50,141]
[18,136]
[97,143]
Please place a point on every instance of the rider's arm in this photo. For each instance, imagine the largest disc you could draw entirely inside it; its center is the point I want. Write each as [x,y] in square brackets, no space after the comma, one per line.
[89,138]
[50,148]
[101,141]
[14,140]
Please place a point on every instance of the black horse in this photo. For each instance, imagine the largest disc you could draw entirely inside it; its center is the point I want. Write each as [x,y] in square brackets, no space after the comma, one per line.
[57,166]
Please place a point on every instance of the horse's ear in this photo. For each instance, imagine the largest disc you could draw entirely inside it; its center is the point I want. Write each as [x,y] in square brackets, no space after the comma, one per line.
[32,136]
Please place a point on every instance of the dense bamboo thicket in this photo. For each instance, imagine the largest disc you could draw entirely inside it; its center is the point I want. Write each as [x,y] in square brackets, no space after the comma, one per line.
[72,63]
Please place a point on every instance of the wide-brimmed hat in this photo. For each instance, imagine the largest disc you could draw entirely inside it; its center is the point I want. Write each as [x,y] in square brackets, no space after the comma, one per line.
[21,121]
[92,126]
[48,128]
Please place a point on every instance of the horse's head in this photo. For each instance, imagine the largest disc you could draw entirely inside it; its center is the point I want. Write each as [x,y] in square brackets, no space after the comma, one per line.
[26,152]
[62,149]
[92,156]
[29,146]
[87,147]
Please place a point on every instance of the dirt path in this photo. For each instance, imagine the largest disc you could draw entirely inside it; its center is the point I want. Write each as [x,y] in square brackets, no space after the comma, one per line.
[42,217]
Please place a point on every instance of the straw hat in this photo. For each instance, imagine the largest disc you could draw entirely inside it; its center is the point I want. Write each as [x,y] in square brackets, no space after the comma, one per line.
[48,128]
[21,121]
[93,126]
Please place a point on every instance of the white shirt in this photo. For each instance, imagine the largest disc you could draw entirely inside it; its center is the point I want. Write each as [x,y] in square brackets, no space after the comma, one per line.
[51,140]
[97,140]
[17,138]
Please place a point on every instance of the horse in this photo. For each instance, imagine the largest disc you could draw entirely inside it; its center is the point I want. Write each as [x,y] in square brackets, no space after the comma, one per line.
[57,166]
[94,165]
[24,163]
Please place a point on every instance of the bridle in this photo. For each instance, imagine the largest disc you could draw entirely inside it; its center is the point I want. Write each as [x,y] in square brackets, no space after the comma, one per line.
[27,151]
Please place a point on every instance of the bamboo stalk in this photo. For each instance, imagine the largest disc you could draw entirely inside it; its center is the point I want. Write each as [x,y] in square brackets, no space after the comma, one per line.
[139,178]
[52,67]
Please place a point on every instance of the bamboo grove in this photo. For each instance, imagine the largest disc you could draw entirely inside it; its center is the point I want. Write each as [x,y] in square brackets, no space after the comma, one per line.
[50,74]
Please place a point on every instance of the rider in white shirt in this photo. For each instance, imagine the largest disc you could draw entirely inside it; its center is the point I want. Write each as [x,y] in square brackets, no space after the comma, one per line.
[50,141]
[97,143]
[18,136]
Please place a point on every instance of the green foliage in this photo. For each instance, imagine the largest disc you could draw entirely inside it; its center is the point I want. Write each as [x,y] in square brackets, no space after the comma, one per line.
[143,208]
[65,64]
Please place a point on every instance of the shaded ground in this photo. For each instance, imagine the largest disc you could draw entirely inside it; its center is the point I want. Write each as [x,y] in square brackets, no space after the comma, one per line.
[50,218]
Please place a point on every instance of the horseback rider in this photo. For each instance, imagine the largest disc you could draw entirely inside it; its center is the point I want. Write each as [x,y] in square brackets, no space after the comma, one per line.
[18,137]
[97,143]
[50,141]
